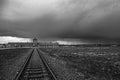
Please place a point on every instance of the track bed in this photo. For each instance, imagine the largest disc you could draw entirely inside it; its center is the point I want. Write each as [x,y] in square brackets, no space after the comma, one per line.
[35,68]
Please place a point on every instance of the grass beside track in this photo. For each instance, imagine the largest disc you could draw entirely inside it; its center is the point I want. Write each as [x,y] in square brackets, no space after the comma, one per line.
[10,62]
[95,63]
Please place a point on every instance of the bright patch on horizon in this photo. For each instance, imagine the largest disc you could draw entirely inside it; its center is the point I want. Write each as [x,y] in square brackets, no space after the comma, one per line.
[6,39]
[70,42]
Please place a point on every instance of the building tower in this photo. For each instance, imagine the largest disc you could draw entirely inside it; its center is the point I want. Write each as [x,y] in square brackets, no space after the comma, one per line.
[35,42]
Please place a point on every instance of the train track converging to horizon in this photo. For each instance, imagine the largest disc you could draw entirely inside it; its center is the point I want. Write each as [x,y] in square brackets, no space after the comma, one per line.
[35,68]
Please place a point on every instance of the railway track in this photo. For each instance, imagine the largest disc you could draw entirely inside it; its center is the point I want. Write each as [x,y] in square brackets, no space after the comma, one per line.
[35,68]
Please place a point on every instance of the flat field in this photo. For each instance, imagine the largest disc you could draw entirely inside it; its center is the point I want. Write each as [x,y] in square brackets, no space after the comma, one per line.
[85,63]
[10,62]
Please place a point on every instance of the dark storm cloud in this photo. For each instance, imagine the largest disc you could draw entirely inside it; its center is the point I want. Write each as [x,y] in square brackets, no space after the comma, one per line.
[61,18]
[2,2]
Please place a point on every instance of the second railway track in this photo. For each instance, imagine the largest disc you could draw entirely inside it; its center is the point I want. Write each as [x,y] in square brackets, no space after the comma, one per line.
[35,68]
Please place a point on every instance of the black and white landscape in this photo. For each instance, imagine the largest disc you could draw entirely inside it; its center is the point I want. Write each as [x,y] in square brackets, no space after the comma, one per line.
[59,40]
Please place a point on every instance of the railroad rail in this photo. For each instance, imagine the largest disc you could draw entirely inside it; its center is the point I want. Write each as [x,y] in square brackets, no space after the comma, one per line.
[35,68]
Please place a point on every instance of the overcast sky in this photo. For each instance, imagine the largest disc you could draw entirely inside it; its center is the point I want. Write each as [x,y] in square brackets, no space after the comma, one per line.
[60,18]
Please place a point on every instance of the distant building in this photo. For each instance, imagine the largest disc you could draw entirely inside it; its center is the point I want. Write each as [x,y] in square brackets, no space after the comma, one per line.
[35,40]
[48,44]
[20,44]
[35,43]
